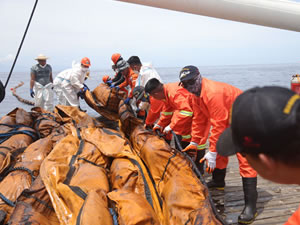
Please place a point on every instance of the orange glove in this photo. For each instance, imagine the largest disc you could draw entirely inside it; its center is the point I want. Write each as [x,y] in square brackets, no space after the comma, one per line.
[191,149]
[157,129]
[210,158]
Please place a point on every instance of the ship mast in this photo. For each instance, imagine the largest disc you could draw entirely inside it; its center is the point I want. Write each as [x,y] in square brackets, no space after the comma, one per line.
[280,14]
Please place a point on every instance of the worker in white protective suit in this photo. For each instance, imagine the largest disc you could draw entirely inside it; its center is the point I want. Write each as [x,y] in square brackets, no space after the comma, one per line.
[146,72]
[69,84]
[41,84]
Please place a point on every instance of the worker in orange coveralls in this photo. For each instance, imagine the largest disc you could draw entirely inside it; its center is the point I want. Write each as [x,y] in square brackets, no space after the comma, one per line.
[119,78]
[212,103]
[176,114]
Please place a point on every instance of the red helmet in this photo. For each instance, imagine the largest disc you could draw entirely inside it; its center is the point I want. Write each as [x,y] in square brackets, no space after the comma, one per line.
[86,61]
[105,78]
[116,57]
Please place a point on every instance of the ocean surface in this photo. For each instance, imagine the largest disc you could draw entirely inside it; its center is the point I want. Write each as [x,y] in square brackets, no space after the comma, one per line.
[241,76]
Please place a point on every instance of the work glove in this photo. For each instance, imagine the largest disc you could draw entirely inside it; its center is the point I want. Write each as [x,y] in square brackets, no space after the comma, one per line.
[127,100]
[82,91]
[167,129]
[85,88]
[210,158]
[157,129]
[148,126]
[115,86]
[32,94]
[191,149]
[109,82]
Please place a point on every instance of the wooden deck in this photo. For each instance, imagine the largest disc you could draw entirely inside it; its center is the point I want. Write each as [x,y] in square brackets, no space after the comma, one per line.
[275,203]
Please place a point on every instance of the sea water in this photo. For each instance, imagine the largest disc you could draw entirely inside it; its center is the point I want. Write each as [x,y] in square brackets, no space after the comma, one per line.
[241,76]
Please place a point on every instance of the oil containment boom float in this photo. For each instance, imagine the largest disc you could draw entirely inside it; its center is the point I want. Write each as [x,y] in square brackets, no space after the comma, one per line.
[282,14]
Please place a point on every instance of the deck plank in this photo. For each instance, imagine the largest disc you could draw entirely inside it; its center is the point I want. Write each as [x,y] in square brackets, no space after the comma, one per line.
[276,202]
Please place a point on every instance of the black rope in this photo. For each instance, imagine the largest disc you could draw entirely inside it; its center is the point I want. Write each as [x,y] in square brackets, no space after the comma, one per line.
[114,215]
[146,185]
[165,170]
[12,68]
[7,201]
[23,169]
[195,169]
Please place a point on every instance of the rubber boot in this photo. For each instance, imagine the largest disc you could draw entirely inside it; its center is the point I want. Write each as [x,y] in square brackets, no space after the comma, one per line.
[218,179]
[200,155]
[250,194]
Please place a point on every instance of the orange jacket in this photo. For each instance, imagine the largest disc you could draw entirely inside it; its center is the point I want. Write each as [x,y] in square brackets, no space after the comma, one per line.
[130,80]
[154,110]
[212,108]
[169,107]
[177,111]
[294,219]
[182,119]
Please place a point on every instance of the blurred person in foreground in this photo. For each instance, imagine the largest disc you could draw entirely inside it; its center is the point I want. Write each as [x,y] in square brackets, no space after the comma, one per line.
[265,128]
[211,106]
[69,84]
[41,83]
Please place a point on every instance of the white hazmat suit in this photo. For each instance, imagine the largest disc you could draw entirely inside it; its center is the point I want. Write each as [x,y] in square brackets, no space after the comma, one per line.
[68,83]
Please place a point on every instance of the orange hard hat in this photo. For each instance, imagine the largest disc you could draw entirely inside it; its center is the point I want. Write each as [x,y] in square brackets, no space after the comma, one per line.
[86,61]
[115,57]
[105,78]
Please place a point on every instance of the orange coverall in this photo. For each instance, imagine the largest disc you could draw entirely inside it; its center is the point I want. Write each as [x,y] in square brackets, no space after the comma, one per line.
[294,219]
[177,112]
[130,80]
[213,107]
[154,110]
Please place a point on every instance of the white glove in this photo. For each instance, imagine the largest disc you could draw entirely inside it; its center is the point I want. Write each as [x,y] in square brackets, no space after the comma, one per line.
[167,129]
[211,159]
[132,103]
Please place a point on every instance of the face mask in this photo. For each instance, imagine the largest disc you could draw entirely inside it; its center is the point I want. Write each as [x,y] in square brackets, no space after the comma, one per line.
[196,87]
[83,69]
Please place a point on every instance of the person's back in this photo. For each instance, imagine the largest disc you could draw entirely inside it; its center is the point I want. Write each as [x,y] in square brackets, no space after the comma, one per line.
[72,82]
[147,72]
[57,84]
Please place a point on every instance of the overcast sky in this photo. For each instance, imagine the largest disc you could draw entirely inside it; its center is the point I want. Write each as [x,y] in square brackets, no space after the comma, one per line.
[67,30]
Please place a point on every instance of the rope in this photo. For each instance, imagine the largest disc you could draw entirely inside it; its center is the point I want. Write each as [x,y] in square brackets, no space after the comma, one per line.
[23,169]
[12,68]
[114,215]
[6,136]
[195,169]
[7,201]
[20,99]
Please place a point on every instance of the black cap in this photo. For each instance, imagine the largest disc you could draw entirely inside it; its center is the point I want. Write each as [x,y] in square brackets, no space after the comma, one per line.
[262,120]
[188,72]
